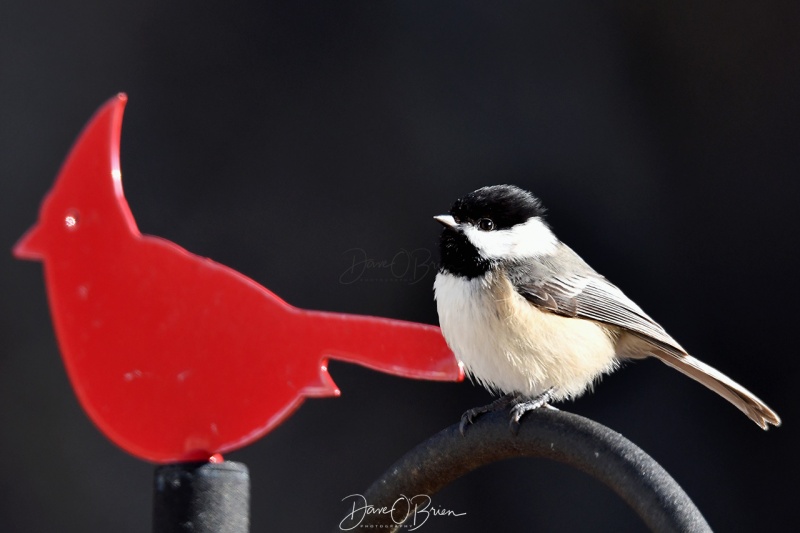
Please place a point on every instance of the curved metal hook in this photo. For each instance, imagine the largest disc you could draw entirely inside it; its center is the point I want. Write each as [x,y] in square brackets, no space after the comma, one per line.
[552,434]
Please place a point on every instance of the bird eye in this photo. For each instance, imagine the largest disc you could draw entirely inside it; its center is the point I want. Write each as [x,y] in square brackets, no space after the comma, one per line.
[486,224]
[71,220]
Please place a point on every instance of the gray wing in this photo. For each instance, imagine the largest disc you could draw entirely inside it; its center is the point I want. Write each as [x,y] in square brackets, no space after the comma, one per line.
[564,284]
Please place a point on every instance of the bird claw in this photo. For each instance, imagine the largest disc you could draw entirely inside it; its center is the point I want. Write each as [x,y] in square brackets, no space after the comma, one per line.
[470,415]
[466,419]
[519,406]
[519,409]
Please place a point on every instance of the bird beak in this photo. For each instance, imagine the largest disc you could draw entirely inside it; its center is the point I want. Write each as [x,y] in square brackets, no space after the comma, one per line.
[446,220]
[30,246]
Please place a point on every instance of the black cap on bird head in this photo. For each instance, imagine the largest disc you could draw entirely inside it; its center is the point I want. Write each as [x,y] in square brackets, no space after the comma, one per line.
[505,205]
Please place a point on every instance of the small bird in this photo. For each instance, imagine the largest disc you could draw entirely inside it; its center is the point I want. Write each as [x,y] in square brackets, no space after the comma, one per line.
[528,317]
[176,357]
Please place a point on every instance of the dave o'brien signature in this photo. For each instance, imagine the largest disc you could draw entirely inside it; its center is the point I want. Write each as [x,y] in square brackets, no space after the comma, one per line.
[416,511]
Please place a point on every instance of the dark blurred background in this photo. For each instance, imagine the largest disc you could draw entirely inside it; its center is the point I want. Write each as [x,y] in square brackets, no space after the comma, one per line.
[284,138]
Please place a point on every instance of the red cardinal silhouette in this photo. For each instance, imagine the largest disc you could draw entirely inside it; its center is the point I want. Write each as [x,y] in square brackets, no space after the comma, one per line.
[176,357]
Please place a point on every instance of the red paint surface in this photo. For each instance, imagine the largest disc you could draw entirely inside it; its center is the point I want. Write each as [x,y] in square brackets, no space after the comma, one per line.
[176,357]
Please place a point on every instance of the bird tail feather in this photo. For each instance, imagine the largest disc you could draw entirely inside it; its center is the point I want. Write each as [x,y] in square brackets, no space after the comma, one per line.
[746,401]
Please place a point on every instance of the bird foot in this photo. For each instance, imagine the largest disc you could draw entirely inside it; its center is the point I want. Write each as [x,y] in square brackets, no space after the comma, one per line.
[526,405]
[519,403]
[499,404]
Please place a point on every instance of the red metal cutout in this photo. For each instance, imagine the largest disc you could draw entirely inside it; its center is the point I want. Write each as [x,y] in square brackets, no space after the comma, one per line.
[176,357]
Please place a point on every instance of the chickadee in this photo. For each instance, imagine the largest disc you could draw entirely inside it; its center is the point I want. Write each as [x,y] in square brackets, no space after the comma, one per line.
[529,318]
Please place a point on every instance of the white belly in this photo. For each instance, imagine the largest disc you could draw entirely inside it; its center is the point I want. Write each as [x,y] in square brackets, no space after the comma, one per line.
[518,348]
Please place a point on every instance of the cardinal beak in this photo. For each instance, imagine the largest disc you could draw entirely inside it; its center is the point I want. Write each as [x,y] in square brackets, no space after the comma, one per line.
[446,220]
[30,246]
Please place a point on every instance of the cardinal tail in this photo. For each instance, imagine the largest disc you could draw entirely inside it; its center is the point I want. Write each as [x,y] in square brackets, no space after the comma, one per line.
[406,349]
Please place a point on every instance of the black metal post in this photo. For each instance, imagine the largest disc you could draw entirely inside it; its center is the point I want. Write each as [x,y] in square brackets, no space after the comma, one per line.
[565,437]
[201,498]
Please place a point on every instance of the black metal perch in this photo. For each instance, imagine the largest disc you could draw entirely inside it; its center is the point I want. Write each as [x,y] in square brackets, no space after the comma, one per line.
[565,437]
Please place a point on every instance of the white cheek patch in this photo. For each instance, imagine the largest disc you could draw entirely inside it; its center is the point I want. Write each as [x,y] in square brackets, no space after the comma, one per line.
[531,239]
